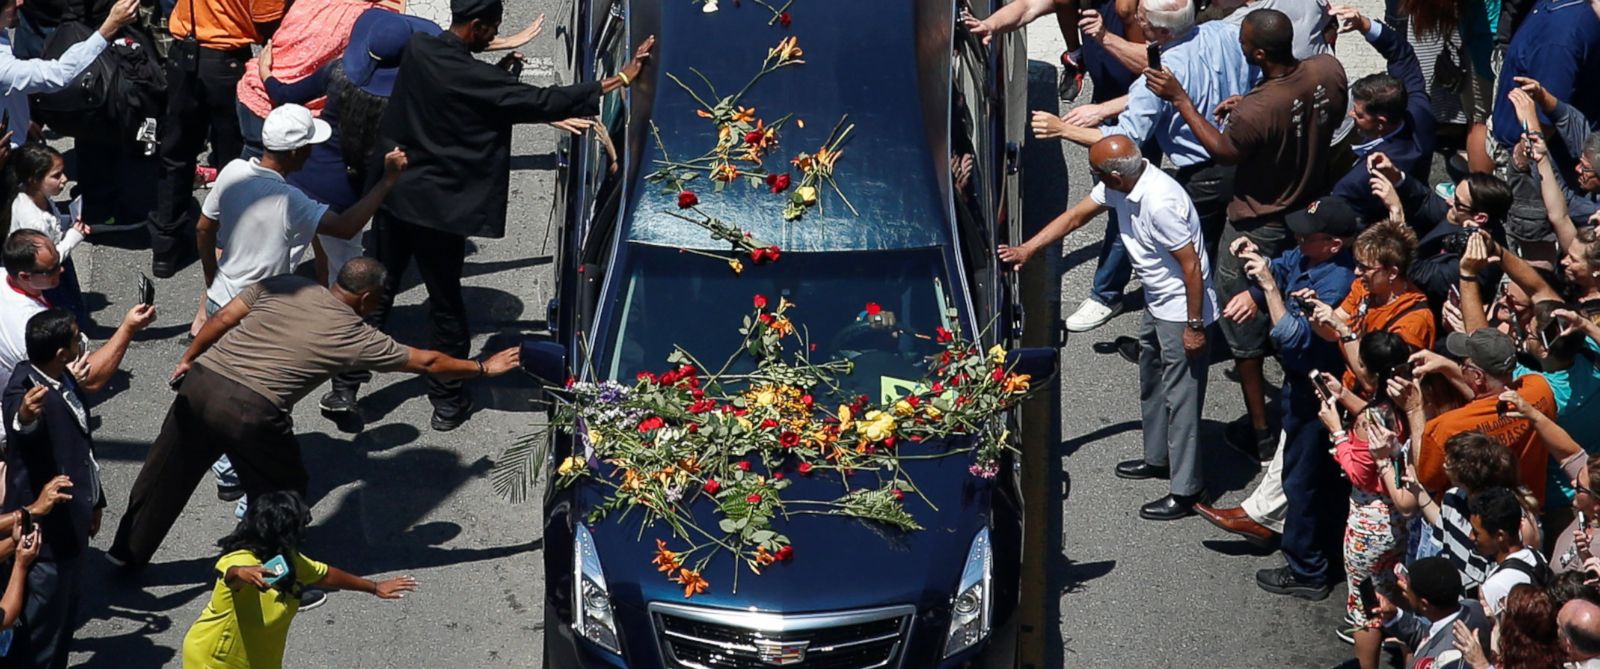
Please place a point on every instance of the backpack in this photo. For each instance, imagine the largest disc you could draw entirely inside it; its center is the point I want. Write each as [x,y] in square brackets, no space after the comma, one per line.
[1538,573]
[113,96]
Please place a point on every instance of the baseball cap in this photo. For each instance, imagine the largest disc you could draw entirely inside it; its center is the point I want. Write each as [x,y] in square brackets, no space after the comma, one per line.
[377,43]
[291,126]
[1331,215]
[1490,349]
[1436,580]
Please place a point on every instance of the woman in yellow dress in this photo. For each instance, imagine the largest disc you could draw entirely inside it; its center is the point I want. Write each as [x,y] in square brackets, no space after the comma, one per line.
[246,623]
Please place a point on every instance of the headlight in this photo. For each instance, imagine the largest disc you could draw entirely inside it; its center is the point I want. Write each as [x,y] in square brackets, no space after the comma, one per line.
[970,610]
[591,602]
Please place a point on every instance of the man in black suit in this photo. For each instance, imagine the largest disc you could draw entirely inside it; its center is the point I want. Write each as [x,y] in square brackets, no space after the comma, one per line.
[1432,589]
[50,461]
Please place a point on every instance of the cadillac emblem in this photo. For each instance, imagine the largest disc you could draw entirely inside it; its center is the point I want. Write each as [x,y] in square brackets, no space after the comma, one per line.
[781,653]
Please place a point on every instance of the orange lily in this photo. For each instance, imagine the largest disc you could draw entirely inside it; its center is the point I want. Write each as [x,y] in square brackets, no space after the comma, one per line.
[788,49]
[725,172]
[1016,383]
[693,584]
[665,560]
[745,114]
[763,557]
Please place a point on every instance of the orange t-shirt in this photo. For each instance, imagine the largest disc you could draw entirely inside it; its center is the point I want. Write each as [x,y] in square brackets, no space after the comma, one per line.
[1406,315]
[224,25]
[1479,415]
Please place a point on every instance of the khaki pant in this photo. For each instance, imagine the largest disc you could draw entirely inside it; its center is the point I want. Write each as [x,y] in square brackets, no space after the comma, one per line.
[1268,504]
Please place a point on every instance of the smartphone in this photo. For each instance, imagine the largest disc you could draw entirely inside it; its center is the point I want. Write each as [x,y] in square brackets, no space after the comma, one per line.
[1455,296]
[1153,53]
[1503,407]
[1323,390]
[1583,520]
[177,381]
[27,525]
[279,568]
[1553,331]
[147,291]
[1369,598]
[5,121]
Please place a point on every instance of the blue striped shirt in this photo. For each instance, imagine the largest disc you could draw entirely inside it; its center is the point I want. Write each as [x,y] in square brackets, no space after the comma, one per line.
[1211,66]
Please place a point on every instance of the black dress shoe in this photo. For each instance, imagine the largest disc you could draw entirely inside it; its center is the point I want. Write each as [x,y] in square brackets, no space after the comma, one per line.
[1255,444]
[1171,507]
[1283,581]
[1138,470]
[164,268]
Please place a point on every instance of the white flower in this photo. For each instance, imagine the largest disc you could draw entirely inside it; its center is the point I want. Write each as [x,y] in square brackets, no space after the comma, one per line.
[709,6]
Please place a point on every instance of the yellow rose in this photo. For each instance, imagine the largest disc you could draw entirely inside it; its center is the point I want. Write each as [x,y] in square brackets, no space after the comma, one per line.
[736,266]
[846,419]
[765,397]
[903,408]
[877,426]
[997,354]
[807,195]
[571,466]
[595,437]
[745,424]
[934,412]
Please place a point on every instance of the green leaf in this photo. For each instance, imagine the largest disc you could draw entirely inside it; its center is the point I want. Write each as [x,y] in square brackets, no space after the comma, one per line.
[727,525]
[515,473]
[762,536]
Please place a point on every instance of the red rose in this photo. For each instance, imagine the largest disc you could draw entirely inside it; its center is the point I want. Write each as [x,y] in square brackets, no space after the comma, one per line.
[805,468]
[744,465]
[712,487]
[772,254]
[784,19]
[768,423]
[753,498]
[777,476]
[942,335]
[760,301]
[937,387]
[766,319]
[702,405]
[789,440]
[646,376]
[888,442]
[651,423]
[778,183]
[806,400]
[752,137]
[784,553]
[913,400]
[998,375]
[687,199]
[693,428]
[571,380]
[897,494]
[873,308]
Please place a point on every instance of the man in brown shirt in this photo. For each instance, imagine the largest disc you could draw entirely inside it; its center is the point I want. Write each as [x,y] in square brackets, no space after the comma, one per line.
[1278,134]
[239,381]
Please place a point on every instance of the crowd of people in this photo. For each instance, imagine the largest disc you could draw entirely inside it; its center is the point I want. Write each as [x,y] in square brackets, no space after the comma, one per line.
[1437,335]
[323,118]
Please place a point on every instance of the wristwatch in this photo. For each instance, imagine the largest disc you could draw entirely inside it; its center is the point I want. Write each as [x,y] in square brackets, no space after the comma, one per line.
[1195,324]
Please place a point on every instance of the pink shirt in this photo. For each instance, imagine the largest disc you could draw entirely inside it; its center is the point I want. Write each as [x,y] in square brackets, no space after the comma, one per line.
[314,32]
[1358,464]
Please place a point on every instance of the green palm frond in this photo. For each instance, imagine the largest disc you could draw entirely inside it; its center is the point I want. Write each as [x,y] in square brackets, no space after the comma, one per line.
[515,474]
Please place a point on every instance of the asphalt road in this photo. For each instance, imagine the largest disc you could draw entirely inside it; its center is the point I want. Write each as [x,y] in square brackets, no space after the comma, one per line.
[398,498]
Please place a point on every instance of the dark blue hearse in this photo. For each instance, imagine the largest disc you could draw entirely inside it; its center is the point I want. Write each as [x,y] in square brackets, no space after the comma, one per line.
[931,170]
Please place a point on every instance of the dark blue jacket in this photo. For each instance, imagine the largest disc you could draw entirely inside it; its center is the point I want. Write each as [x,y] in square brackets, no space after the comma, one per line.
[58,444]
[1411,146]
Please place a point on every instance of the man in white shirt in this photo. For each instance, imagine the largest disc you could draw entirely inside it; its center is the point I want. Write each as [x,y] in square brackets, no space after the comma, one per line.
[1497,533]
[255,225]
[20,78]
[1160,228]
[32,267]
[261,223]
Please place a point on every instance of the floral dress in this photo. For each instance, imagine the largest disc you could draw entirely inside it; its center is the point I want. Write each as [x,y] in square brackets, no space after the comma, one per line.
[1374,534]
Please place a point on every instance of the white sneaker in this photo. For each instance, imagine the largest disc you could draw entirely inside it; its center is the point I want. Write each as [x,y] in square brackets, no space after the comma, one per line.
[1091,314]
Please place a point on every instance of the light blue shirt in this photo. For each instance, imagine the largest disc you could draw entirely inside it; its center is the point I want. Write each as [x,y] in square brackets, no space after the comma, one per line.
[1211,66]
[20,78]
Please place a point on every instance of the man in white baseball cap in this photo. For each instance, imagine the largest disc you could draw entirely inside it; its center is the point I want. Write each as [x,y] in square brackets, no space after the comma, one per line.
[254,224]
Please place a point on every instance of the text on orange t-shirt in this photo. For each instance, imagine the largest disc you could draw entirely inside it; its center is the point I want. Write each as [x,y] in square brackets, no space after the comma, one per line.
[1480,415]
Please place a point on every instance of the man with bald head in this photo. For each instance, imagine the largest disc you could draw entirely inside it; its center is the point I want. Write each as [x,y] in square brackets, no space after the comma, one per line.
[1158,224]
[1579,622]
[1278,135]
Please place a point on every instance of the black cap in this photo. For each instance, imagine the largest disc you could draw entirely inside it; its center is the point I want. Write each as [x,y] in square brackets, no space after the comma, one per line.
[1490,349]
[1331,215]
[1436,580]
[462,11]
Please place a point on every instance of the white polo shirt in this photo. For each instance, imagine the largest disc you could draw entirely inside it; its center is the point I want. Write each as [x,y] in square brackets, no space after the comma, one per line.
[1155,219]
[265,225]
[16,307]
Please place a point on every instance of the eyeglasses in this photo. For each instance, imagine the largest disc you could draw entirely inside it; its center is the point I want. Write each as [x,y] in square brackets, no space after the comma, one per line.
[1579,488]
[1463,207]
[1585,167]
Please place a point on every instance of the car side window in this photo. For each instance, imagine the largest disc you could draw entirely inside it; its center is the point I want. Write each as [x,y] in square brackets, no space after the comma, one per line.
[603,164]
[970,177]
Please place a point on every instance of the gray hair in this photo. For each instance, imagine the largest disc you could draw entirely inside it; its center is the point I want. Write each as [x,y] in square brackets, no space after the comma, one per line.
[1124,166]
[362,275]
[1591,148]
[1173,16]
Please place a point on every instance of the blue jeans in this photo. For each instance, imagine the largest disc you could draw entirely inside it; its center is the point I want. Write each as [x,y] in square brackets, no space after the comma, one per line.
[1114,268]
[1314,523]
[249,128]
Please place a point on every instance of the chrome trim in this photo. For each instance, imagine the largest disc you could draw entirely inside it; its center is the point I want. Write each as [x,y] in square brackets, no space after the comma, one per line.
[774,623]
